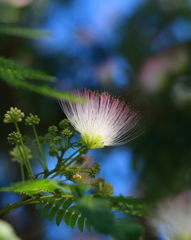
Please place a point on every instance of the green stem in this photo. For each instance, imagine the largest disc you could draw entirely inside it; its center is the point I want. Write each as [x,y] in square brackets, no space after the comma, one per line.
[23,157]
[40,149]
[73,160]
[22,172]
[36,156]
[27,163]
[11,207]
[74,153]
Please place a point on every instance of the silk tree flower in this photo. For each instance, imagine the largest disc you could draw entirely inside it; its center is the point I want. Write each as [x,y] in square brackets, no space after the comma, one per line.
[173,218]
[103,120]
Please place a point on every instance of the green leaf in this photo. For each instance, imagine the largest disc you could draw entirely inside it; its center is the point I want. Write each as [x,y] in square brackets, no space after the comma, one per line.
[64,209]
[24,32]
[52,213]
[59,216]
[39,205]
[88,225]
[67,217]
[32,187]
[47,91]
[55,209]
[81,221]
[45,210]
[97,212]
[73,220]
[67,203]
[17,76]
[49,205]
[11,71]
[134,206]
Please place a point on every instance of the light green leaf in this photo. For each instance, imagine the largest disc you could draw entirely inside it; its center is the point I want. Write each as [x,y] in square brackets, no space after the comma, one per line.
[17,76]
[32,187]
[24,32]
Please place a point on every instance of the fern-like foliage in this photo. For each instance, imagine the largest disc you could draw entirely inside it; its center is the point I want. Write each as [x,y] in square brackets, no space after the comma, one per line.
[104,220]
[64,210]
[17,76]
[33,187]
[24,32]
[134,206]
[11,70]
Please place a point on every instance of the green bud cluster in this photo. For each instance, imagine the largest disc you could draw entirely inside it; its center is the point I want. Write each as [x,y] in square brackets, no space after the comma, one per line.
[49,137]
[14,138]
[17,153]
[66,133]
[14,115]
[57,140]
[64,123]
[95,170]
[53,129]
[53,150]
[68,174]
[105,188]
[25,139]
[32,119]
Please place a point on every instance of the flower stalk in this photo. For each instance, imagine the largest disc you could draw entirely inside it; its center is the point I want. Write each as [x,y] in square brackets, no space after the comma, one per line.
[44,164]
[23,154]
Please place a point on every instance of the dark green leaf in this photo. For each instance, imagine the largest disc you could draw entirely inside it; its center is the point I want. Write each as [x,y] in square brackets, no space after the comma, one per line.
[39,205]
[55,209]
[67,217]
[16,76]
[131,205]
[73,220]
[81,221]
[52,213]
[88,225]
[72,208]
[45,210]
[67,203]
[59,216]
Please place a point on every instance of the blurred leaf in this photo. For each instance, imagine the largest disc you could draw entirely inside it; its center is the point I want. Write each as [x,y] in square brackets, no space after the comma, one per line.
[7,232]
[16,75]
[24,32]
[103,220]
[134,206]
[81,224]
[15,71]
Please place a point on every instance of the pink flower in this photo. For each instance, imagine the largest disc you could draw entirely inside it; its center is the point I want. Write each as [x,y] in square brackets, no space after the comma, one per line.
[103,120]
[173,217]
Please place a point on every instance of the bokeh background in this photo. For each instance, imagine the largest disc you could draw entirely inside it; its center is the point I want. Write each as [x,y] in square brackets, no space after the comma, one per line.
[137,49]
